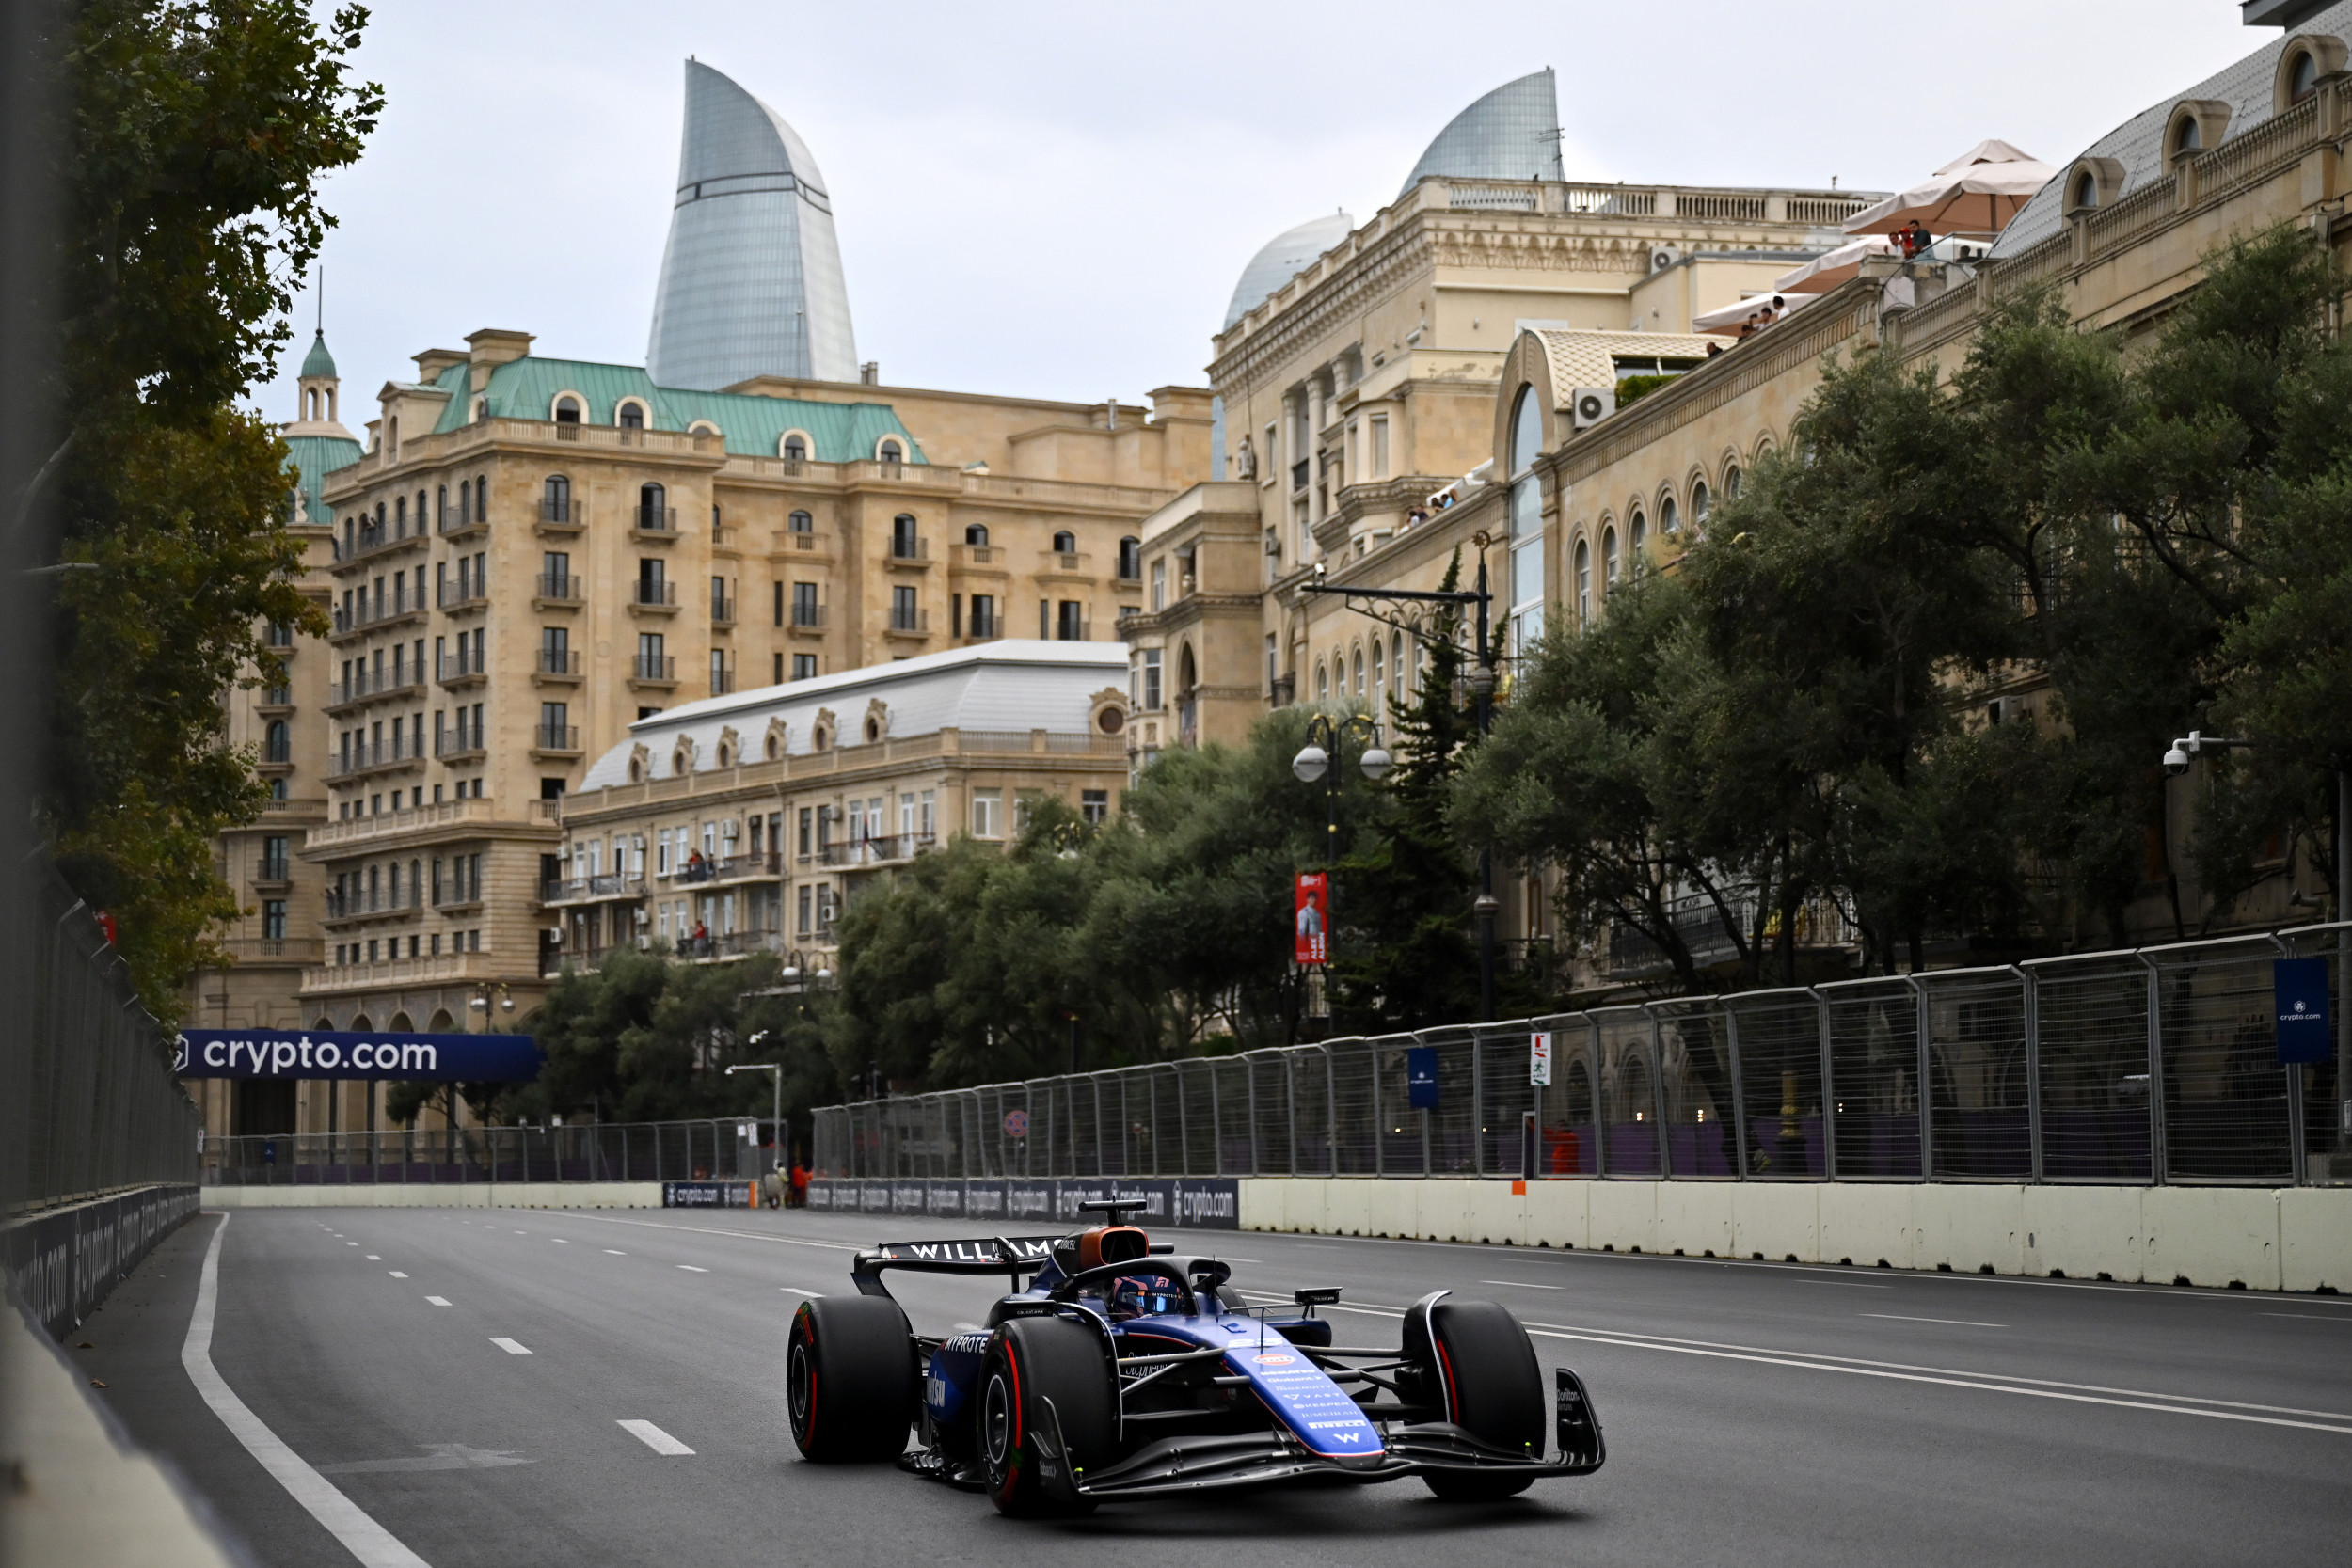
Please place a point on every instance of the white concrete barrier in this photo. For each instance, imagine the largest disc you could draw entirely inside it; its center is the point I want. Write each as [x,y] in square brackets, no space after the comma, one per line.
[442,1194]
[2260,1238]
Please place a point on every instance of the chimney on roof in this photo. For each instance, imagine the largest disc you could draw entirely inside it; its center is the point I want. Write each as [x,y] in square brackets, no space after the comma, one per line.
[869,374]
[492,347]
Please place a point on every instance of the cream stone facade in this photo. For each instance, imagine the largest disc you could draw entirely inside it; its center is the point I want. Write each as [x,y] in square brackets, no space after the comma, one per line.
[530,555]
[745,824]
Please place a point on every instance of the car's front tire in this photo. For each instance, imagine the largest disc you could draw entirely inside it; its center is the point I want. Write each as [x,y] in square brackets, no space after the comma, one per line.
[1044,1377]
[850,1384]
[1481,1368]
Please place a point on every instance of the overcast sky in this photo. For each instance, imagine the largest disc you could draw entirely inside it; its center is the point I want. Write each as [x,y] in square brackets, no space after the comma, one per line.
[1055,201]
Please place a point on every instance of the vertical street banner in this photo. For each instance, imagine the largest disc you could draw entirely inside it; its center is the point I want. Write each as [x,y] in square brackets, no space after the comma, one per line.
[1311,912]
[1421,1077]
[1539,1058]
[2299,991]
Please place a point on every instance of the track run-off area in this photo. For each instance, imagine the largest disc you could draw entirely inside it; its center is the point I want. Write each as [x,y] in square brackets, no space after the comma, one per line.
[520,1386]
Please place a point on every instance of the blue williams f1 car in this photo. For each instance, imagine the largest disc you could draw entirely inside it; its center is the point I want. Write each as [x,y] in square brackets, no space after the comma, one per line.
[1129,1370]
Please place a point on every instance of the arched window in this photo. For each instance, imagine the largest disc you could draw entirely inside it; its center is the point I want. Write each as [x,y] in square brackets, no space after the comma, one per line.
[1637,535]
[776,746]
[904,545]
[890,451]
[1669,516]
[795,448]
[1065,543]
[1131,559]
[1607,559]
[1360,671]
[2086,190]
[632,415]
[1584,583]
[482,497]
[1731,481]
[801,522]
[1527,432]
[976,535]
[1379,669]
[555,500]
[1323,683]
[2302,77]
[653,508]
[1396,662]
[566,410]
[2187,137]
[1700,501]
[279,746]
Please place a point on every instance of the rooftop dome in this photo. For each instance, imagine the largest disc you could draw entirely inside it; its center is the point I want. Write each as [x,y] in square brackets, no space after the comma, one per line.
[1281,260]
[318,361]
[1511,134]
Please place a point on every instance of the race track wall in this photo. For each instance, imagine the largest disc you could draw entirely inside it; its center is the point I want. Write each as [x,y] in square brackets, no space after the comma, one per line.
[2259,1238]
[62,1263]
[446,1195]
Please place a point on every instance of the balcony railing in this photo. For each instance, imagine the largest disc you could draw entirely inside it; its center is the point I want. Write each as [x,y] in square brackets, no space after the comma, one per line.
[578,890]
[563,514]
[559,588]
[461,666]
[722,611]
[809,615]
[555,737]
[653,666]
[725,868]
[369,683]
[916,621]
[885,850]
[653,520]
[369,756]
[905,547]
[351,905]
[458,740]
[654,595]
[465,594]
[454,522]
[722,681]
[373,612]
[559,664]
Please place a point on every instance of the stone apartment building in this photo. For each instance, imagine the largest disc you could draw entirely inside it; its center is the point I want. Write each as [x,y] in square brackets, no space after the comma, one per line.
[528,555]
[742,824]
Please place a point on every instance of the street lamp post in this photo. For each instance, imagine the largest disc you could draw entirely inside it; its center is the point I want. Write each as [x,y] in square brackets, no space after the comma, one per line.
[1316,763]
[1484,908]
[775,1070]
[2176,762]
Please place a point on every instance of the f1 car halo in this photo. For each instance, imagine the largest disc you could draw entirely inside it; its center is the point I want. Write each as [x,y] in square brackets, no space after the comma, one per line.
[1128,1370]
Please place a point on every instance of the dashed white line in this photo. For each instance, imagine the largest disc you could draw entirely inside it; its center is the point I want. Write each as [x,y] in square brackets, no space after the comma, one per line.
[1907,1318]
[1523,1285]
[616,1252]
[376,1258]
[396,1274]
[511,1347]
[438,1301]
[691,1269]
[2309,1317]
[350,1243]
[1843,1284]
[796,1290]
[562,1241]
[654,1438]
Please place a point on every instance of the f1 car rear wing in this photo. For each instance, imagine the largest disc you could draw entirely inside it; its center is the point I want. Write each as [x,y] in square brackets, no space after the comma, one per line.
[1005,1255]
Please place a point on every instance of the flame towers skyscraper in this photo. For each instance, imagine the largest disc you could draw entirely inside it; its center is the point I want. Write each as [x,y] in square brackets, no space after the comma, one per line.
[751,278]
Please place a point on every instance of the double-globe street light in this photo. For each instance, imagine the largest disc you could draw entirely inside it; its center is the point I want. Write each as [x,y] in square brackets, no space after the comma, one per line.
[1314,764]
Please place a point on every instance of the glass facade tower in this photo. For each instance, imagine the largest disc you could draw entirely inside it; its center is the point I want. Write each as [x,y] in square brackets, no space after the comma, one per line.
[1511,134]
[751,278]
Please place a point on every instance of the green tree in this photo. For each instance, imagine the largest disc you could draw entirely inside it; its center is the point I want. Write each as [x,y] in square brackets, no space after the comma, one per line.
[196,133]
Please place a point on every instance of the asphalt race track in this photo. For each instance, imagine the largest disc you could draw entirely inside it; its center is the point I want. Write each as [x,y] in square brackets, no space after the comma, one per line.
[517,1387]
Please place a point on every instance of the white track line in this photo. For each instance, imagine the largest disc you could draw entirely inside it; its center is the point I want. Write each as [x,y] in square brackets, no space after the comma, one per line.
[692,1268]
[396,1274]
[1907,1318]
[438,1301]
[370,1543]
[714,1231]
[654,1438]
[796,1290]
[1523,1285]
[511,1347]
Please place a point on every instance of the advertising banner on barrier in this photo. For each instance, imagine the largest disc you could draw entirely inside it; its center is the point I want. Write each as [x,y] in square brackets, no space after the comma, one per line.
[341,1053]
[1199,1203]
[2299,991]
[710,1194]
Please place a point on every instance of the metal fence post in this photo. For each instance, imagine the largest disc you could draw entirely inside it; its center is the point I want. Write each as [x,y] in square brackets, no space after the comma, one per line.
[1658,1095]
[1379,1122]
[1601,1106]
[2031,1005]
[1738,1090]
[1829,1091]
[2156,1074]
[1927,1081]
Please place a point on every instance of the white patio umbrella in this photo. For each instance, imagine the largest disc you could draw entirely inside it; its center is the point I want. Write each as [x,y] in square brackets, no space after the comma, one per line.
[1727,319]
[1976,193]
[1833,267]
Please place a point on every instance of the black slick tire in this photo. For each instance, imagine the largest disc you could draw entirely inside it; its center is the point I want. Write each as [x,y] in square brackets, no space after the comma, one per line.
[1046,1414]
[1481,1370]
[851,1386]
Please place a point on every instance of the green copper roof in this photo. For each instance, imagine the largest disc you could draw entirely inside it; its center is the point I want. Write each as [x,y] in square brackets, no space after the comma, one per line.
[312,458]
[527,388]
[318,361]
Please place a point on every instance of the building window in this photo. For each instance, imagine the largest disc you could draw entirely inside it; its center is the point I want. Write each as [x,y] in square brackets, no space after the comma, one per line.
[976,535]
[904,545]
[984,615]
[1607,559]
[1147,693]
[1065,544]
[1637,535]
[555,720]
[808,901]
[795,449]
[803,667]
[1130,559]
[988,813]
[1322,682]
[904,616]
[1072,627]
[632,415]
[806,611]
[1584,584]
[566,411]
[1159,584]
[1379,447]
[274,859]
[1668,516]
[278,744]
[273,920]
[1731,481]
[653,507]
[555,500]
[801,522]
[1700,501]
[1094,804]
[890,451]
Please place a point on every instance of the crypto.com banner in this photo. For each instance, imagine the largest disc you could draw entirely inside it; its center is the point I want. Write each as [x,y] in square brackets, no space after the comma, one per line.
[332,1054]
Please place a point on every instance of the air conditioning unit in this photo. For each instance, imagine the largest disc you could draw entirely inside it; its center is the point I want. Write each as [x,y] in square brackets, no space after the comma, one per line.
[1663,257]
[1592,405]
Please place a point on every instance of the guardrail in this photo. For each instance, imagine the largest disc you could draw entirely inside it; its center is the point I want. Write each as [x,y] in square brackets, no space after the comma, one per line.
[2040,1072]
[89,1104]
[699,1151]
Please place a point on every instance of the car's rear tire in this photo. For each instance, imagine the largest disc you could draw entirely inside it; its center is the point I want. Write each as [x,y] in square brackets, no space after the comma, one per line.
[850,1380]
[1482,1370]
[1036,1363]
